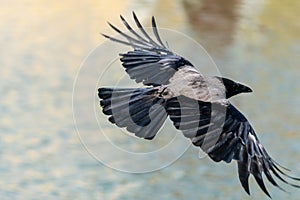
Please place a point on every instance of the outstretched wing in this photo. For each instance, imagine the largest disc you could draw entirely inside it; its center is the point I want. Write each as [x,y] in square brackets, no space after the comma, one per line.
[150,62]
[225,134]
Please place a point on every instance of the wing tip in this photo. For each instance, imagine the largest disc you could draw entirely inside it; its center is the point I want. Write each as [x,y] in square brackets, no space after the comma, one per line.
[104,35]
[133,13]
[245,185]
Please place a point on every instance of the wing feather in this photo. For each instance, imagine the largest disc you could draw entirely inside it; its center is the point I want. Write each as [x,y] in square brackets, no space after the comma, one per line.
[150,62]
[236,140]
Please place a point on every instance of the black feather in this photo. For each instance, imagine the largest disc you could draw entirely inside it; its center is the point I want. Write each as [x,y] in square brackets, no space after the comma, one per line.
[150,62]
[139,25]
[156,32]
[140,111]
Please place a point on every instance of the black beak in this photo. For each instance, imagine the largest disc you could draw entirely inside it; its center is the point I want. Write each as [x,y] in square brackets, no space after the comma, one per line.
[246,89]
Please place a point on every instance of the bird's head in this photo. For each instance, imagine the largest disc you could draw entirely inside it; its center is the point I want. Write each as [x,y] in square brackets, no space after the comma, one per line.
[234,88]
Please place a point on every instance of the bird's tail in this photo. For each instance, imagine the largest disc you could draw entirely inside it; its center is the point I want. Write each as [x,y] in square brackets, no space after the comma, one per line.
[140,110]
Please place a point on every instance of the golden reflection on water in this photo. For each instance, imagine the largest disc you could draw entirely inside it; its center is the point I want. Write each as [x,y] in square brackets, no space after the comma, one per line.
[213,21]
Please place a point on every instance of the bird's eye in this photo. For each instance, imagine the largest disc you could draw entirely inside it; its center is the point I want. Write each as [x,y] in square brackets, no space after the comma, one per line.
[165,93]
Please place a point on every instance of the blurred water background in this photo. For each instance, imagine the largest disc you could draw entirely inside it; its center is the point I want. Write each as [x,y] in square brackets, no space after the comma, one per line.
[43,43]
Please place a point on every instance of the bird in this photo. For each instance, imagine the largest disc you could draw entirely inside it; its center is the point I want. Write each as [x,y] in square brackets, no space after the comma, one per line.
[198,105]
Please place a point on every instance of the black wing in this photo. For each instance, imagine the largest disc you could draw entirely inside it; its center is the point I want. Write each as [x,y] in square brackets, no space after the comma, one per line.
[151,62]
[136,109]
[225,134]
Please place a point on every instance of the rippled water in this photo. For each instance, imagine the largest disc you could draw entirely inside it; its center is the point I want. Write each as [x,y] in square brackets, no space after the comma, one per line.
[42,47]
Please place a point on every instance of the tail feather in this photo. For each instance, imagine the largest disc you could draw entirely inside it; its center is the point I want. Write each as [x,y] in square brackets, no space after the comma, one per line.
[140,110]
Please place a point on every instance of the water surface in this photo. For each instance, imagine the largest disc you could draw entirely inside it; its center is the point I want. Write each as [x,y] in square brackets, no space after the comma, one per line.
[42,47]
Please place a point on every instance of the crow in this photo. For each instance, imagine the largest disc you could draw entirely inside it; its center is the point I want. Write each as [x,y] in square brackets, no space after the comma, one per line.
[197,105]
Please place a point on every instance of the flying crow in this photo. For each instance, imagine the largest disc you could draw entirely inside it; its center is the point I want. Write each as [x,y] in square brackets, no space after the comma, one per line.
[197,105]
